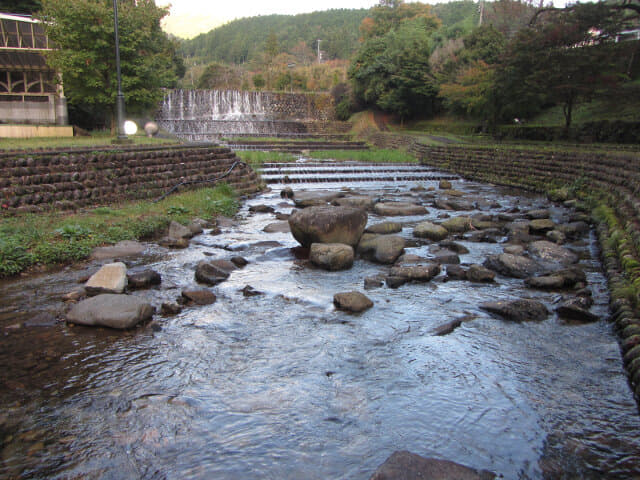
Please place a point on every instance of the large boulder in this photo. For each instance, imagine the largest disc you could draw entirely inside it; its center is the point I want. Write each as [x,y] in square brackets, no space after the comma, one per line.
[509,265]
[331,256]
[328,225]
[111,310]
[111,278]
[520,310]
[552,252]
[398,209]
[355,302]
[409,466]
[381,248]
[430,230]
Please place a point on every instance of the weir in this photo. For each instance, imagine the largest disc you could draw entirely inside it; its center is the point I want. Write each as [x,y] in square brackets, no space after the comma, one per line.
[207,115]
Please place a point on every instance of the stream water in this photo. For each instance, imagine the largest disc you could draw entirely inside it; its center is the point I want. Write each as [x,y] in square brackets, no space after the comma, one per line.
[283,386]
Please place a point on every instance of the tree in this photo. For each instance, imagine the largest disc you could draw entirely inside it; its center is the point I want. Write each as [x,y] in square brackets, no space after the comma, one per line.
[392,72]
[564,58]
[83,32]
[219,77]
[29,7]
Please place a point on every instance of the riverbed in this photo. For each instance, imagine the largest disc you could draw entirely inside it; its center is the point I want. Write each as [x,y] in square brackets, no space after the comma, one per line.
[282,385]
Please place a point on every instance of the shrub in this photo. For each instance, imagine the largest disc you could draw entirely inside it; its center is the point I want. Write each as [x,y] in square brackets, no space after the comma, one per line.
[14,257]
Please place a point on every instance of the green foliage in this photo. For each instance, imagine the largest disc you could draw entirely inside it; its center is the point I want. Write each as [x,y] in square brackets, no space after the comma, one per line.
[220,77]
[256,158]
[565,57]
[177,210]
[392,71]
[258,81]
[83,33]
[374,155]
[28,7]
[244,40]
[53,238]
[74,232]
[14,256]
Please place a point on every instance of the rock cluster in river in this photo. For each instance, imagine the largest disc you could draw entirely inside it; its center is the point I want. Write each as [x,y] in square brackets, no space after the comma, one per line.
[534,249]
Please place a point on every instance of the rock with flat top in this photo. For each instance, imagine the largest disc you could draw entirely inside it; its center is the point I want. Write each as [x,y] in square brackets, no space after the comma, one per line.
[126,248]
[111,278]
[518,310]
[384,228]
[409,466]
[430,230]
[398,209]
[457,224]
[381,248]
[111,310]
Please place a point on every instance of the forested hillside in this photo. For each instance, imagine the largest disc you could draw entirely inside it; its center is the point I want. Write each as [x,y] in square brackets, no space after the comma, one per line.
[244,39]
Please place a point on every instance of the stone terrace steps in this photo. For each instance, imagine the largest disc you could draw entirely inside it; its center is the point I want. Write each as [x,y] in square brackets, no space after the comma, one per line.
[346,172]
[289,146]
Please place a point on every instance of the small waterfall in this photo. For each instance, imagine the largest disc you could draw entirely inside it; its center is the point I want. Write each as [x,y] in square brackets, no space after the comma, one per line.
[204,115]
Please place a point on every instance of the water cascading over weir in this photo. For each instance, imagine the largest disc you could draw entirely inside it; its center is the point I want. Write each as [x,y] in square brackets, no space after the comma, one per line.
[208,115]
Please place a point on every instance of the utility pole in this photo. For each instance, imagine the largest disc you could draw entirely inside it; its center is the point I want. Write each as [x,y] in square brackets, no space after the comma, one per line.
[319,51]
[120,97]
[482,12]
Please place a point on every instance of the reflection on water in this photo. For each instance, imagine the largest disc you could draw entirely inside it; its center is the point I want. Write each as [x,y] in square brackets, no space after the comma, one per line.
[283,386]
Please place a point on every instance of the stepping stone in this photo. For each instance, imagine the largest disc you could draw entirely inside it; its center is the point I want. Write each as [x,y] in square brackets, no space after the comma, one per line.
[111,278]
[354,302]
[111,310]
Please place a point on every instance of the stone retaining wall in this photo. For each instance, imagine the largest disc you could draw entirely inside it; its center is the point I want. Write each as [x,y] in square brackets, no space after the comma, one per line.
[609,182]
[32,181]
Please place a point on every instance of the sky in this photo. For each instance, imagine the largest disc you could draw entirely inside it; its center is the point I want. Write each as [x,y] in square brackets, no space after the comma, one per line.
[189,18]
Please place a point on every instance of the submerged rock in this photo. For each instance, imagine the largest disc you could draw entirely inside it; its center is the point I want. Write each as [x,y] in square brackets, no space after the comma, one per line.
[328,225]
[518,310]
[480,274]
[111,310]
[111,278]
[577,309]
[355,302]
[565,278]
[409,466]
[331,256]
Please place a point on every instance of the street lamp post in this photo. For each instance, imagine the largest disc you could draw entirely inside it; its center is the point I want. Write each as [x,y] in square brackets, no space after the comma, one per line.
[120,97]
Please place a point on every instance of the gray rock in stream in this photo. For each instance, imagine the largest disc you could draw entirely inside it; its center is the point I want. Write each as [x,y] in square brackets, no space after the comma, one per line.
[409,466]
[177,230]
[111,278]
[518,310]
[328,225]
[331,256]
[210,273]
[516,266]
[398,209]
[552,252]
[381,248]
[354,302]
[143,278]
[110,310]
[430,230]
[126,248]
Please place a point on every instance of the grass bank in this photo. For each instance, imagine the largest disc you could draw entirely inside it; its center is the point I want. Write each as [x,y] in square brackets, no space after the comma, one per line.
[373,155]
[257,158]
[99,139]
[59,238]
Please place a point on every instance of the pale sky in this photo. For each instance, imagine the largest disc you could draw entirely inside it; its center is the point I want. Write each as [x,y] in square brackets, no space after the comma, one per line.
[189,18]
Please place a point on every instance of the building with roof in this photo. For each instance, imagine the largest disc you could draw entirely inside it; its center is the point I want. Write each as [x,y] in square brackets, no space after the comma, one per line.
[30,91]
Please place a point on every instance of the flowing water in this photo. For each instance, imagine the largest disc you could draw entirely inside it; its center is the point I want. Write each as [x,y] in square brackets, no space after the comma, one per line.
[283,386]
[206,115]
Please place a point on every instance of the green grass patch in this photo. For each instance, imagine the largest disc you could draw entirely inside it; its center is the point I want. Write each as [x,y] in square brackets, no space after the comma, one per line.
[374,155]
[99,139]
[257,158]
[58,237]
